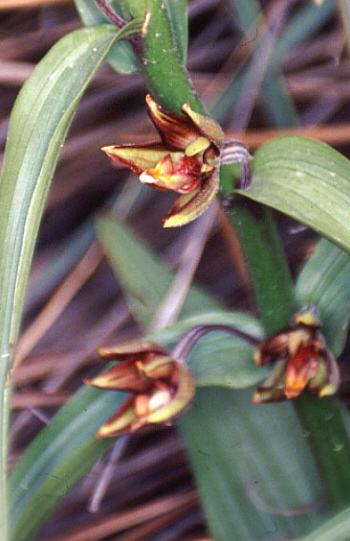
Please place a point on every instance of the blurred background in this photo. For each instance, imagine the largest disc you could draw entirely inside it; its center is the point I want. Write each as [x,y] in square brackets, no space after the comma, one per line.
[264,69]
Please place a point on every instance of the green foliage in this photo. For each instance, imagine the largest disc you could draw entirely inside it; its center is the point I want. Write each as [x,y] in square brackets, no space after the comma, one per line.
[253,464]
[325,282]
[121,56]
[144,278]
[39,124]
[335,529]
[63,452]
[307,180]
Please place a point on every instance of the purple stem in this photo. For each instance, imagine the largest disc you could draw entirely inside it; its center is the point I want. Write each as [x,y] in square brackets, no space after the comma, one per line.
[189,340]
[108,11]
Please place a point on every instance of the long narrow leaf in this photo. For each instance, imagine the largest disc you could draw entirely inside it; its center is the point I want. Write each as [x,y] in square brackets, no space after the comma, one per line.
[63,452]
[144,278]
[39,124]
[121,56]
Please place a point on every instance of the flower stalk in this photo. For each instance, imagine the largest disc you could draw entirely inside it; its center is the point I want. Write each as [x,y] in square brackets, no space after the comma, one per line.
[187,342]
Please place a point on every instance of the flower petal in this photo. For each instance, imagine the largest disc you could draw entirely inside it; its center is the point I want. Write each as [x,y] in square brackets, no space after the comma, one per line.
[307,316]
[176,131]
[271,348]
[158,368]
[131,349]
[189,206]
[261,396]
[205,125]
[327,379]
[122,421]
[124,376]
[130,373]
[136,157]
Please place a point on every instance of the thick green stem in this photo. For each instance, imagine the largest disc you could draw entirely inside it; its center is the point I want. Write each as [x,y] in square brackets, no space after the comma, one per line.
[266,262]
[159,58]
[168,81]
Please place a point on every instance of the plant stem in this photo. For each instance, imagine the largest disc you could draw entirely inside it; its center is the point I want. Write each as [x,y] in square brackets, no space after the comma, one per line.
[164,73]
[266,262]
[191,337]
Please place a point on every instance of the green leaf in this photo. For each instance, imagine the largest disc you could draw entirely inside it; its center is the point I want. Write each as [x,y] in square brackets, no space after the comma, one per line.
[253,467]
[121,56]
[325,282]
[222,360]
[242,322]
[144,278]
[63,452]
[39,124]
[307,180]
[335,529]
[219,358]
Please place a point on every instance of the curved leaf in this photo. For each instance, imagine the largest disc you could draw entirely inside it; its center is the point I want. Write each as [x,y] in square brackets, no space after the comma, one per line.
[219,359]
[307,180]
[144,278]
[223,360]
[121,56]
[335,529]
[63,452]
[325,282]
[39,124]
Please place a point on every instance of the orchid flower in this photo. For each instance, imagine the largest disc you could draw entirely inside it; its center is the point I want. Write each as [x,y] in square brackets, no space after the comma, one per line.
[161,387]
[187,159]
[302,361]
